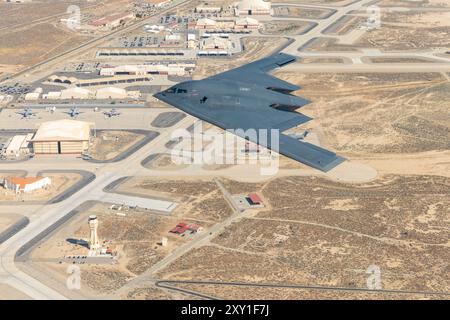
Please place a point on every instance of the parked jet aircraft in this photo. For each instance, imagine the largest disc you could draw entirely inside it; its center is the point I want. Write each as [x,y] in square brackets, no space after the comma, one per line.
[112,113]
[249,98]
[74,112]
[27,113]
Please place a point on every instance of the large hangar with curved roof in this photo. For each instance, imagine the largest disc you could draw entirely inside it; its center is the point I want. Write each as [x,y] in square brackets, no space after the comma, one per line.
[62,137]
[253,7]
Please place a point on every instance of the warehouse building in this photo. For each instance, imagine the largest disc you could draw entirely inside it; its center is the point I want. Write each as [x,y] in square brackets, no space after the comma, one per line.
[113,21]
[26,184]
[159,3]
[205,23]
[144,69]
[62,137]
[76,93]
[52,95]
[135,52]
[246,23]
[216,43]
[4,99]
[114,93]
[208,8]
[18,146]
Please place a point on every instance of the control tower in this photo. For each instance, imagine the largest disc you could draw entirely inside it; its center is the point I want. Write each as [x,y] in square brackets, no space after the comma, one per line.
[93,225]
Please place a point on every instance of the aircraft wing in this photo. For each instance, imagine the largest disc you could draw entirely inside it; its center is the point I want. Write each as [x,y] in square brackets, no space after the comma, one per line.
[247,112]
[257,72]
[233,118]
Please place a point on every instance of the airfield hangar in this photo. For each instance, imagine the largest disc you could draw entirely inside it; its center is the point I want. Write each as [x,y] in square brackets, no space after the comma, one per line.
[62,137]
[253,7]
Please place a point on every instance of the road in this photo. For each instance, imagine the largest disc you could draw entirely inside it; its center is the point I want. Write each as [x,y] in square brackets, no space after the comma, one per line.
[45,216]
[359,61]
[170,285]
[201,239]
[94,43]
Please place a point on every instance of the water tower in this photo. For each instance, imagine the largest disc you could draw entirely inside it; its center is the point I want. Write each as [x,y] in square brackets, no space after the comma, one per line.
[93,225]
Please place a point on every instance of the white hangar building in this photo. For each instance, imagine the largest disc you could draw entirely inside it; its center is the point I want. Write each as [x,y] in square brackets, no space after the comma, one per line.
[76,93]
[114,93]
[253,7]
[27,184]
[62,137]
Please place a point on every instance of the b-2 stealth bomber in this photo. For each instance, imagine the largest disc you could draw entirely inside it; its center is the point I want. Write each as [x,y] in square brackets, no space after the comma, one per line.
[249,98]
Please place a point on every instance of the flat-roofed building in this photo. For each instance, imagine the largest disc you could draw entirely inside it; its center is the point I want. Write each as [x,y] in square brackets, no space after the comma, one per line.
[62,137]
[216,43]
[52,95]
[30,96]
[144,69]
[205,23]
[4,99]
[113,21]
[76,93]
[159,3]
[207,8]
[111,93]
[246,23]
[18,145]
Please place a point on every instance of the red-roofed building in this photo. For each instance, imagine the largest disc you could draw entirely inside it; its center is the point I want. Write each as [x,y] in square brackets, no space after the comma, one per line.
[254,199]
[183,227]
[113,21]
[180,228]
[27,184]
[194,228]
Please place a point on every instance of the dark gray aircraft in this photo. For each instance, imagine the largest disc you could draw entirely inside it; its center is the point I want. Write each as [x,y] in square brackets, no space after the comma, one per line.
[112,113]
[74,112]
[249,98]
[27,113]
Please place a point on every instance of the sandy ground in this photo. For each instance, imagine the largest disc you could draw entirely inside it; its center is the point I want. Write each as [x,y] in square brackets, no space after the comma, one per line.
[306,2]
[402,31]
[109,144]
[329,234]
[32,32]
[367,113]
[9,293]
[30,46]
[6,220]
[133,237]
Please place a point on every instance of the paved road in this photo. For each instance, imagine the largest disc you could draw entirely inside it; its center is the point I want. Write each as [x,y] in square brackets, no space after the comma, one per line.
[374,67]
[12,230]
[359,64]
[168,284]
[199,240]
[77,51]
[47,216]
[322,25]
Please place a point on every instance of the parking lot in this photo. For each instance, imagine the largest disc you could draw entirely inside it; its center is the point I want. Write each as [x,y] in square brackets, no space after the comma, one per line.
[15,90]
[139,42]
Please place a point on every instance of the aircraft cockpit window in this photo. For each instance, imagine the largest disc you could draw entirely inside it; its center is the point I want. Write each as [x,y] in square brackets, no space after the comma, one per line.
[171,90]
[181,90]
